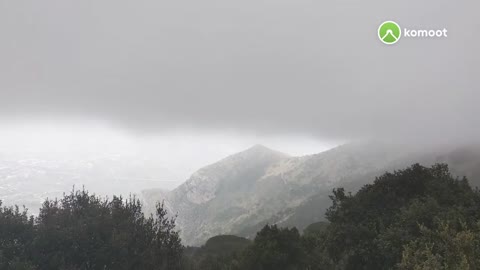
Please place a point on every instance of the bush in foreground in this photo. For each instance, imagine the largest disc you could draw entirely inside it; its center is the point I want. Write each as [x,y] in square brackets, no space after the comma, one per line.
[82,231]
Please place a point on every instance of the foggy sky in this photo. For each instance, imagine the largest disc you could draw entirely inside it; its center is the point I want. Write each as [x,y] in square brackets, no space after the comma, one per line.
[284,66]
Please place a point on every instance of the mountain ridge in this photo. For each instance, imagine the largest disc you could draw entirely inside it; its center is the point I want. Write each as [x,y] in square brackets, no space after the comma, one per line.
[242,192]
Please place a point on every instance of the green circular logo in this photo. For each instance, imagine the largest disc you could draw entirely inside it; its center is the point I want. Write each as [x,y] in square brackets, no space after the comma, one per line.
[389,32]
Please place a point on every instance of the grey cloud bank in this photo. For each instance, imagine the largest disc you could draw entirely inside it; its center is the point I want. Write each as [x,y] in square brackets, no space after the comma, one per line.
[308,67]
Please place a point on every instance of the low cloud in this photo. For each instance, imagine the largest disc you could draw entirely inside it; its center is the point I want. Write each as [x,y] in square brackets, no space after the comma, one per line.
[282,67]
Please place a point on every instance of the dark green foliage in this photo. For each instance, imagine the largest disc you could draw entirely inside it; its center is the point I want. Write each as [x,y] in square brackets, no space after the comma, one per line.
[316,228]
[225,244]
[16,237]
[275,249]
[219,253]
[371,229]
[447,246]
[82,231]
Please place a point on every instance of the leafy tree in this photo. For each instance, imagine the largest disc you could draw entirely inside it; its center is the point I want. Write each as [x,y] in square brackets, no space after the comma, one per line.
[275,249]
[370,229]
[449,246]
[16,235]
[219,253]
[82,231]
[316,255]
[316,228]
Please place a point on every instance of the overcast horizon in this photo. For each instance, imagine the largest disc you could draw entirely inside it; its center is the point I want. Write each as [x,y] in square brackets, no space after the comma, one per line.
[179,153]
[188,83]
[156,66]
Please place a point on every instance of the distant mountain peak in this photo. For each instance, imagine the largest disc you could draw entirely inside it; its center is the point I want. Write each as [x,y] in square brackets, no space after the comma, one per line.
[262,149]
[243,167]
[259,147]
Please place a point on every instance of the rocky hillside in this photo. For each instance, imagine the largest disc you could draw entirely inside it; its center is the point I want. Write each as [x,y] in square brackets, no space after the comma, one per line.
[220,196]
[244,191]
[241,193]
[463,161]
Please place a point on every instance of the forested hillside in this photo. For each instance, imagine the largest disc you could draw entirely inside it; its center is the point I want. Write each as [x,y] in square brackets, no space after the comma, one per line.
[416,218]
[244,192]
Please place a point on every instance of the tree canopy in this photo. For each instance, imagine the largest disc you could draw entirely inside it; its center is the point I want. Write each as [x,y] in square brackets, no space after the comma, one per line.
[419,218]
[83,231]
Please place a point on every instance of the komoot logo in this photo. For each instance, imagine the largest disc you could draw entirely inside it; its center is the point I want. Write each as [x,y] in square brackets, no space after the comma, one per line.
[390,32]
